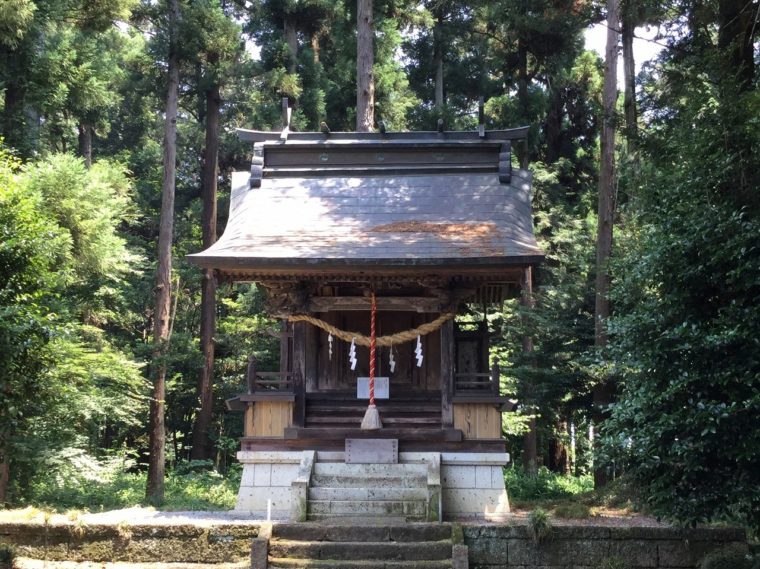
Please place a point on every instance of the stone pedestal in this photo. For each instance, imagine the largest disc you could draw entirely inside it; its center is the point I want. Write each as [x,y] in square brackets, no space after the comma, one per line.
[266,483]
[473,485]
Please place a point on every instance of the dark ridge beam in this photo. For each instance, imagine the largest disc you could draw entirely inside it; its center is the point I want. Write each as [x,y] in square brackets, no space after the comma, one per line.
[519,133]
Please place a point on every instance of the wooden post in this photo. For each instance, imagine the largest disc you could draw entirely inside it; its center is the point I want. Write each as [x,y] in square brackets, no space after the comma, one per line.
[447,374]
[495,375]
[304,368]
[250,375]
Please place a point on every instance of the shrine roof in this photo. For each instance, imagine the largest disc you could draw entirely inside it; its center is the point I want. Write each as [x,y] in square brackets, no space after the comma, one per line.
[399,200]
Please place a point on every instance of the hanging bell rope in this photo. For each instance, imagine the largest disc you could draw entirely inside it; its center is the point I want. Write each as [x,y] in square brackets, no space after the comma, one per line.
[383,341]
[371,419]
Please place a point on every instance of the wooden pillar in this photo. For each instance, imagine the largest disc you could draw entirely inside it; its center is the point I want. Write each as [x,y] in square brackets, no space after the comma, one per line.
[447,374]
[304,368]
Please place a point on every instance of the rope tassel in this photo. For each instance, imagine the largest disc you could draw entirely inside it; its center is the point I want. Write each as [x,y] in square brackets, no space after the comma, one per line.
[371,421]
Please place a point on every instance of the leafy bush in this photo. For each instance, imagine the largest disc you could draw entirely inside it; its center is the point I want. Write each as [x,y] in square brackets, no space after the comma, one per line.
[539,525]
[82,482]
[574,510]
[546,485]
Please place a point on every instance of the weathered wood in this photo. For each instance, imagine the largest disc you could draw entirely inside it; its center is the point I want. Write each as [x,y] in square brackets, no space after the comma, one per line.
[304,367]
[267,396]
[418,445]
[447,373]
[371,451]
[397,303]
[248,429]
[495,379]
[250,375]
[414,433]
[286,347]
[477,420]
[519,133]
[271,418]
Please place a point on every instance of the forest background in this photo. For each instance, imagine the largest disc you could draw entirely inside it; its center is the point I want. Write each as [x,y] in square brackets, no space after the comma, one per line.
[671,396]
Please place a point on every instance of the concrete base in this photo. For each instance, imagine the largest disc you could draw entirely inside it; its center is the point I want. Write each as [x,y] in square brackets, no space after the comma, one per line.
[472,484]
[266,483]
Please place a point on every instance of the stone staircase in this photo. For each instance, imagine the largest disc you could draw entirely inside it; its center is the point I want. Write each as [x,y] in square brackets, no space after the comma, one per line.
[372,490]
[343,546]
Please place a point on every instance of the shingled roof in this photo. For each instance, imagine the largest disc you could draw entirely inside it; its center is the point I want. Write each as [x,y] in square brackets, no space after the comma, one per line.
[355,200]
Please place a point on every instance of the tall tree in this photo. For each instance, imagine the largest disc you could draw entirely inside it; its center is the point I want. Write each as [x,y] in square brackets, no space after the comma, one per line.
[606,209]
[365,82]
[161,325]
[213,38]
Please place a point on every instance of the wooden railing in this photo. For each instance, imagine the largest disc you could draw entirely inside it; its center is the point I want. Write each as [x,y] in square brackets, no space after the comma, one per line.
[477,383]
[268,381]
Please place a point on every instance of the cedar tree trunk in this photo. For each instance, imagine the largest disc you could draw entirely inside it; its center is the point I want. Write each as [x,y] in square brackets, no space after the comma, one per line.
[606,209]
[291,37]
[162,320]
[85,143]
[629,74]
[365,82]
[530,439]
[201,441]
[438,63]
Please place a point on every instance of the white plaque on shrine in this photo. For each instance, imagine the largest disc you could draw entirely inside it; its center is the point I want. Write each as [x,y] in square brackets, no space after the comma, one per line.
[382,389]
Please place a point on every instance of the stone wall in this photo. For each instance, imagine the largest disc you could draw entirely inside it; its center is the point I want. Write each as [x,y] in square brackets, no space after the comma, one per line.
[594,547]
[130,543]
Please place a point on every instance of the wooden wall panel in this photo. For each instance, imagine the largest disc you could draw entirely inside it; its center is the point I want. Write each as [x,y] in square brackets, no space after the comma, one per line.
[477,420]
[335,373]
[270,418]
[248,420]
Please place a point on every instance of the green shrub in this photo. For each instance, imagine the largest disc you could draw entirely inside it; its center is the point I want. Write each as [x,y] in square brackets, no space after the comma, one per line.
[539,526]
[545,485]
[111,484]
[572,510]
[732,556]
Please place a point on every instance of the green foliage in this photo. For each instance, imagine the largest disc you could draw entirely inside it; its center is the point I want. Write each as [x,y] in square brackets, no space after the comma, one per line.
[76,480]
[686,337]
[539,525]
[89,204]
[572,510]
[545,485]
[15,18]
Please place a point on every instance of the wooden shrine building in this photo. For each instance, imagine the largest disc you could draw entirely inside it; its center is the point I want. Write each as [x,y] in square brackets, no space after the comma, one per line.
[431,223]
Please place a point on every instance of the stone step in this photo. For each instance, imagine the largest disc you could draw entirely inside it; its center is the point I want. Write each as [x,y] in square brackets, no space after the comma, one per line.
[335,519]
[365,481]
[276,563]
[371,507]
[366,494]
[390,551]
[361,529]
[381,470]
